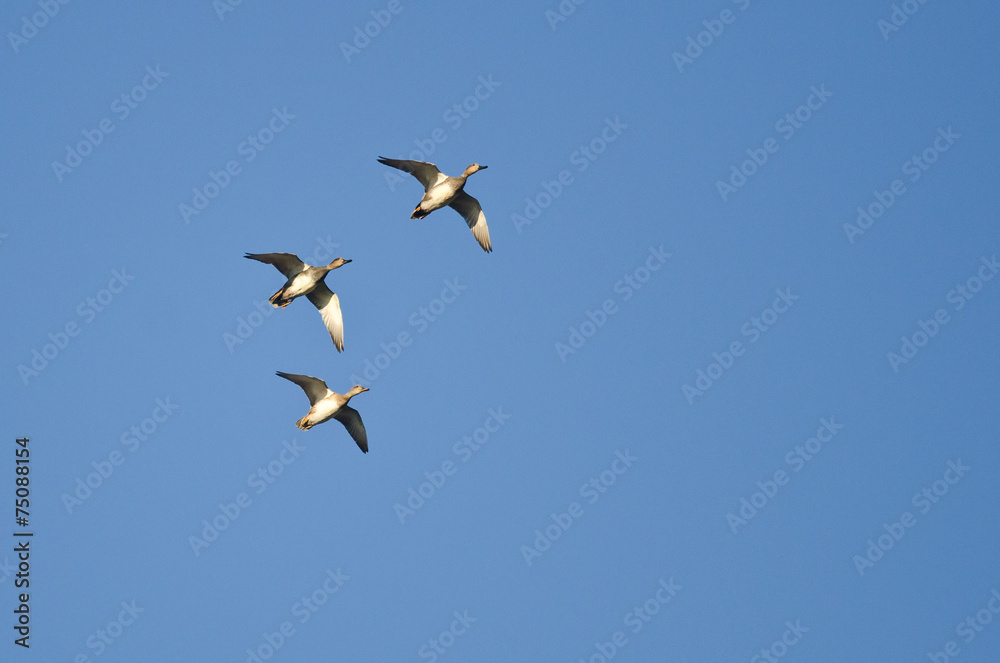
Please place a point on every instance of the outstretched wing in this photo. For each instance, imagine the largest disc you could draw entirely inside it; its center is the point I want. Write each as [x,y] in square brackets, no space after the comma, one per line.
[287,263]
[470,209]
[426,173]
[329,307]
[348,416]
[315,388]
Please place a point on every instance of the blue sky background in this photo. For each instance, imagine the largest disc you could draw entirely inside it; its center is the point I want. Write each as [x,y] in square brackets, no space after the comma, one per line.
[553,88]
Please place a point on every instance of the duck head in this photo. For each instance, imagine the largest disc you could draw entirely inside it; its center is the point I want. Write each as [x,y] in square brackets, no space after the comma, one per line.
[474,168]
[337,263]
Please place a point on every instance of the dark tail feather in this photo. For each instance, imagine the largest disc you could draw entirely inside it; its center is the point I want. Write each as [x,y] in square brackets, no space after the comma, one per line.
[277,301]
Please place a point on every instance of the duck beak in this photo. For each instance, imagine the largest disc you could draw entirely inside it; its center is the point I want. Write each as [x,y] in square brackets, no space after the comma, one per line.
[483,167]
[365,389]
[346,261]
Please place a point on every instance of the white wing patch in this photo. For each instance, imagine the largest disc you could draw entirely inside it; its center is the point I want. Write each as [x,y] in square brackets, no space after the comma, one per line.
[470,209]
[329,308]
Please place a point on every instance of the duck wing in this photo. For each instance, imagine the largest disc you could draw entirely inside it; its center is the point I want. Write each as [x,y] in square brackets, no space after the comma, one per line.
[315,388]
[472,212]
[427,173]
[348,416]
[329,307]
[286,263]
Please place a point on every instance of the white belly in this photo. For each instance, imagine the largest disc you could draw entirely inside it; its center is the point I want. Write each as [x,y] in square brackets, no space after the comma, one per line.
[436,198]
[323,411]
[300,285]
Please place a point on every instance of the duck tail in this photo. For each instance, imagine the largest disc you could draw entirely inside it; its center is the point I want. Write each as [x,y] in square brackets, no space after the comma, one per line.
[278,301]
[303,423]
[418,213]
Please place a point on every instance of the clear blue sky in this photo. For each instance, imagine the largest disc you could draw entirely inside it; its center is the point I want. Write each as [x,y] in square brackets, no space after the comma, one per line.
[692,380]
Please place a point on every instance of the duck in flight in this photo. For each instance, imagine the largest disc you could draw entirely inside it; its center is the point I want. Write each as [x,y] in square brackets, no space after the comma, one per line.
[326,405]
[307,280]
[441,190]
